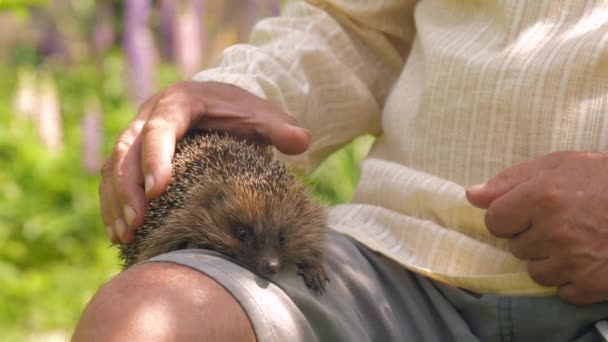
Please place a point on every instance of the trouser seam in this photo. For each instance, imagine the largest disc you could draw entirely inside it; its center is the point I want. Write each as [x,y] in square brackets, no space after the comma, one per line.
[505,316]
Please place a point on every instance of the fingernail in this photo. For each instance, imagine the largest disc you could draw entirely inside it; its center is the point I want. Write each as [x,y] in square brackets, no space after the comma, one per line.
[121,228]
[149,183]
[129,214]
[476,187]
[110,231]
[306,131]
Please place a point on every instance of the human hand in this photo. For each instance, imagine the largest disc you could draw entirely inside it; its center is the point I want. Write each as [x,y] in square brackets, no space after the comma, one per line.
[141,158]
[554,212]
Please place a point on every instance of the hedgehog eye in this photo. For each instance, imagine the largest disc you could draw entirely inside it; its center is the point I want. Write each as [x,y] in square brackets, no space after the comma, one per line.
[182,245]
[242,233]
[281,238]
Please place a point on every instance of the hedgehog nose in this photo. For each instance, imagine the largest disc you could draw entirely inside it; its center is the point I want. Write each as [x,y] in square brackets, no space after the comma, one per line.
[271,266]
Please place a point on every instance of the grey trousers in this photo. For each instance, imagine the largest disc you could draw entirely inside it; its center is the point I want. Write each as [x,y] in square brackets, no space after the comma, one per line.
[371,298]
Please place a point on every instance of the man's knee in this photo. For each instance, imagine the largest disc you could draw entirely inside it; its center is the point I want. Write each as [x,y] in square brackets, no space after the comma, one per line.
[163,301]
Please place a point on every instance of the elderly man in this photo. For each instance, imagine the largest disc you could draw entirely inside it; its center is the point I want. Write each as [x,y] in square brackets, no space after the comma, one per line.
[481,210]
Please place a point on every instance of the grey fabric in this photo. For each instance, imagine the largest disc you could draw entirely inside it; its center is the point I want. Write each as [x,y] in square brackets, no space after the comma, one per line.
[371,298]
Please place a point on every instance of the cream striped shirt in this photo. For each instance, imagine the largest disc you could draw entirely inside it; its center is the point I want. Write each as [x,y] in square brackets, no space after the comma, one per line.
[455,90]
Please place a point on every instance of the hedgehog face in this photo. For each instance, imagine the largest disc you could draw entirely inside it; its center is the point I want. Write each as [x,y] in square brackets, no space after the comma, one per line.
[229,196]
[259,247]
[262,230]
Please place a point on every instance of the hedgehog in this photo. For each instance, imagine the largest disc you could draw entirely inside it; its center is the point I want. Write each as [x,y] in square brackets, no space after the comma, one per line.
[230,196]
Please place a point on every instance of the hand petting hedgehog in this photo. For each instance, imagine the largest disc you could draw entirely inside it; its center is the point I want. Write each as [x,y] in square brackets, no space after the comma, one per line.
[231,197]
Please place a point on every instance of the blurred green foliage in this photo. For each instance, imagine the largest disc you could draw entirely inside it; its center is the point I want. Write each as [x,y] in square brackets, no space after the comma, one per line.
[19,4]
[53,249]
[53,252]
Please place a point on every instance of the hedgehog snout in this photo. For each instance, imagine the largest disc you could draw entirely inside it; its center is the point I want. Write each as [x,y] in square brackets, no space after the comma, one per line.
[270,265]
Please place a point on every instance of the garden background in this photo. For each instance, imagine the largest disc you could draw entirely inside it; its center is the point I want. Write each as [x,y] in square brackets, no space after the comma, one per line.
[72,74]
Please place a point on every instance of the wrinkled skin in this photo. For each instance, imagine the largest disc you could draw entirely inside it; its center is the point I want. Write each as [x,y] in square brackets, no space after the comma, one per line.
[554,212]
[139,166]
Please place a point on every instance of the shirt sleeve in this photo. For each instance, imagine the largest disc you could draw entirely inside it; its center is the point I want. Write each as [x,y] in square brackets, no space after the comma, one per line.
[328,63]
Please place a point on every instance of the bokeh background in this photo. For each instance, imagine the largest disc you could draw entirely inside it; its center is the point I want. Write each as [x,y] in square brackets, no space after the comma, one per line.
[72,75]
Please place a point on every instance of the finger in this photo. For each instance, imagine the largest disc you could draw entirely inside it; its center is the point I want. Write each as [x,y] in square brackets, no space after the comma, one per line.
[267,125]
[482,195]
[128,201]
[106,196]
[127,175]
[575,295]
[285,137]
[548,272]
[132,194]
[511,213]
[270,123]
[281,129]
[167,123]
[116,222]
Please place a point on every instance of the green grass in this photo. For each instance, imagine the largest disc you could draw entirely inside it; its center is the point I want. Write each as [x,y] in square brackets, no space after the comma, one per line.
[53,250]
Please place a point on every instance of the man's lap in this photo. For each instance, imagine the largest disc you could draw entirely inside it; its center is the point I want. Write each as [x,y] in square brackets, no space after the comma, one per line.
[371,298]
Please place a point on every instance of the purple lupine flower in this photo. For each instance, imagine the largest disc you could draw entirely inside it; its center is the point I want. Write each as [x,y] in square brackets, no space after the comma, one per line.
[140,51]
[167,28]
[52,43]
[275,7]
[190,39]
[48,117]
[91,136]
[103,31]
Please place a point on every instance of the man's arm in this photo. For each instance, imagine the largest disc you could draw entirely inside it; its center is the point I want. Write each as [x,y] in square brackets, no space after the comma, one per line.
[329,64]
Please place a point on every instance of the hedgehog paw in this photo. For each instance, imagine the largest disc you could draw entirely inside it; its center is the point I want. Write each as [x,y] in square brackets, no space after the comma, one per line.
[314,277]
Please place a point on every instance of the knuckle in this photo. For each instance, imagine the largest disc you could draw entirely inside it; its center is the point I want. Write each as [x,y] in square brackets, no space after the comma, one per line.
[564,234]
[122,145]
[118,175]
[517,250]
[503,179]
[550,195]
[539,275]
[175,89]
[119,181]
[158,122]
[291,120]
[492,221]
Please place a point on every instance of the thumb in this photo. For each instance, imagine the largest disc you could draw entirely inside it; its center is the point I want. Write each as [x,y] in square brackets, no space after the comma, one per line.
[482,195]
[479,195]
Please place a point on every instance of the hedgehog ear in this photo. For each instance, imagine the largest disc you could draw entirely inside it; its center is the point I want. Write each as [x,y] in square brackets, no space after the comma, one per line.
[216,197]
[219,196]
[211,195]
